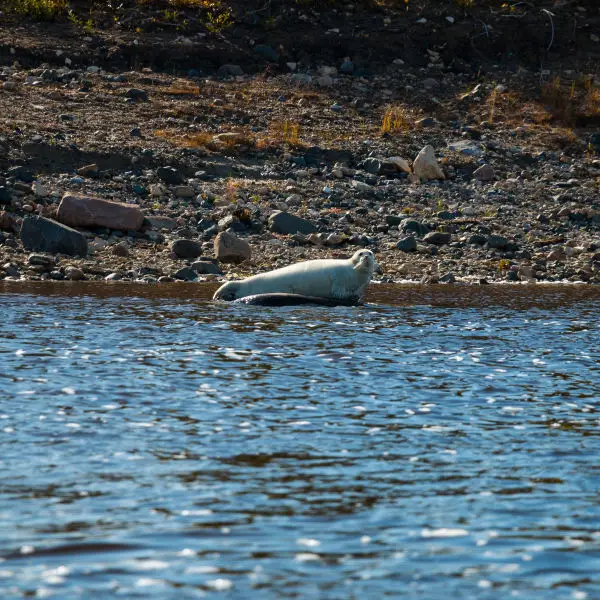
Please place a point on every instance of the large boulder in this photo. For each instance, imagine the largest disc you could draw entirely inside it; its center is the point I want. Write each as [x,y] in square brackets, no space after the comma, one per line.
[426,166]
[230,249]
[39,234]
[86,211]
[284,222]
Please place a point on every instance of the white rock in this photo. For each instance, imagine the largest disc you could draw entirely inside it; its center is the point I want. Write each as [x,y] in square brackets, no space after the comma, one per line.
[361,186]
[39,190]
[157,190]
[324,81]
[426,166]
[327,71]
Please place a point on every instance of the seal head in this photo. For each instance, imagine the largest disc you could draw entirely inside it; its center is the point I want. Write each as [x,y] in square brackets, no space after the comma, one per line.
[227,292]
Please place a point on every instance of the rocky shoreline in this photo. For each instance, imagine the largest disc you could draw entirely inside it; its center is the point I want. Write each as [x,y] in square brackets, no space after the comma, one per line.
[139,175]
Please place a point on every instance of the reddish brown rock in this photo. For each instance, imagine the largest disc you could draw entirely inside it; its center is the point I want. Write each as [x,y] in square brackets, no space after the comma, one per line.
[9,222]
[230,249]
[86,211]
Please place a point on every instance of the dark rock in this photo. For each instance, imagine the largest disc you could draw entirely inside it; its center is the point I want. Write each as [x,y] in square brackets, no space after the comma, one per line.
[206,267]
[45,235]
[497,242]
[137,94]
[286,223]
[267,52]
[5,196]
[408,244]
[439,238]
[347,66]
[88,170]
[484,173]
[187,248]
[41,260]
[169,175]
[135,132]
[185,274]
[448,278]
[160,222]
[22,173]
[425,122]
[446,215]
[229,71]
[204,224]
[478,239]
[412,226]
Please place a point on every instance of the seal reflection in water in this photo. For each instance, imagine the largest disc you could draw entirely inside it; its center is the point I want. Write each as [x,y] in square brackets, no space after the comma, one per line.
[329,282]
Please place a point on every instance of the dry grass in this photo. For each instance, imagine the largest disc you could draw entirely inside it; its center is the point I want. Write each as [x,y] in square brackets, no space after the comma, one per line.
[395,120]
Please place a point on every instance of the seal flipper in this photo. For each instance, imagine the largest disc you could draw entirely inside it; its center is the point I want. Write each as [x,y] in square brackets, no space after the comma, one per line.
[281,299]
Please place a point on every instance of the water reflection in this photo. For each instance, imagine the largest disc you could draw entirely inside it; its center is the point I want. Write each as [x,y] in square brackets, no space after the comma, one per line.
[157,445]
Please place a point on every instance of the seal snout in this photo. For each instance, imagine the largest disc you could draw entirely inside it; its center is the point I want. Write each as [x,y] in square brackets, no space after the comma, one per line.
[227,292]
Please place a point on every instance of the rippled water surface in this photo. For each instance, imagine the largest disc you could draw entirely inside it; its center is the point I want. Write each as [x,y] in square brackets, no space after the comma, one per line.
[157,445]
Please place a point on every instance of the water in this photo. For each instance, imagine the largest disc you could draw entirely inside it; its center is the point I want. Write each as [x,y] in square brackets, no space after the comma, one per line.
[156,445]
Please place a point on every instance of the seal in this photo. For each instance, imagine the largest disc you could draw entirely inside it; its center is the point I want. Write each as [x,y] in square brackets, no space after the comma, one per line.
[293,300]
[343,280]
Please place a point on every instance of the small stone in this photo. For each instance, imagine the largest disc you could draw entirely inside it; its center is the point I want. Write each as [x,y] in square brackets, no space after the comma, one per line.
[286,223]
[74,273]
[158,222]
[426,122]
[185,274]
[230,249]
[400,163]
[137,94]
[88,170]
[39,190]
[170,175]
[41,260]
[485,173]
[448,278]
[334,239]
[121,249]
[186,248]
[5,196]
[407,244]
[477,239]
[497,242]
[9,86]
[229,71]
[438,238]
[324,81]
[22,173]
[206,267]
[184,191]
[426,166]
[113,277]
